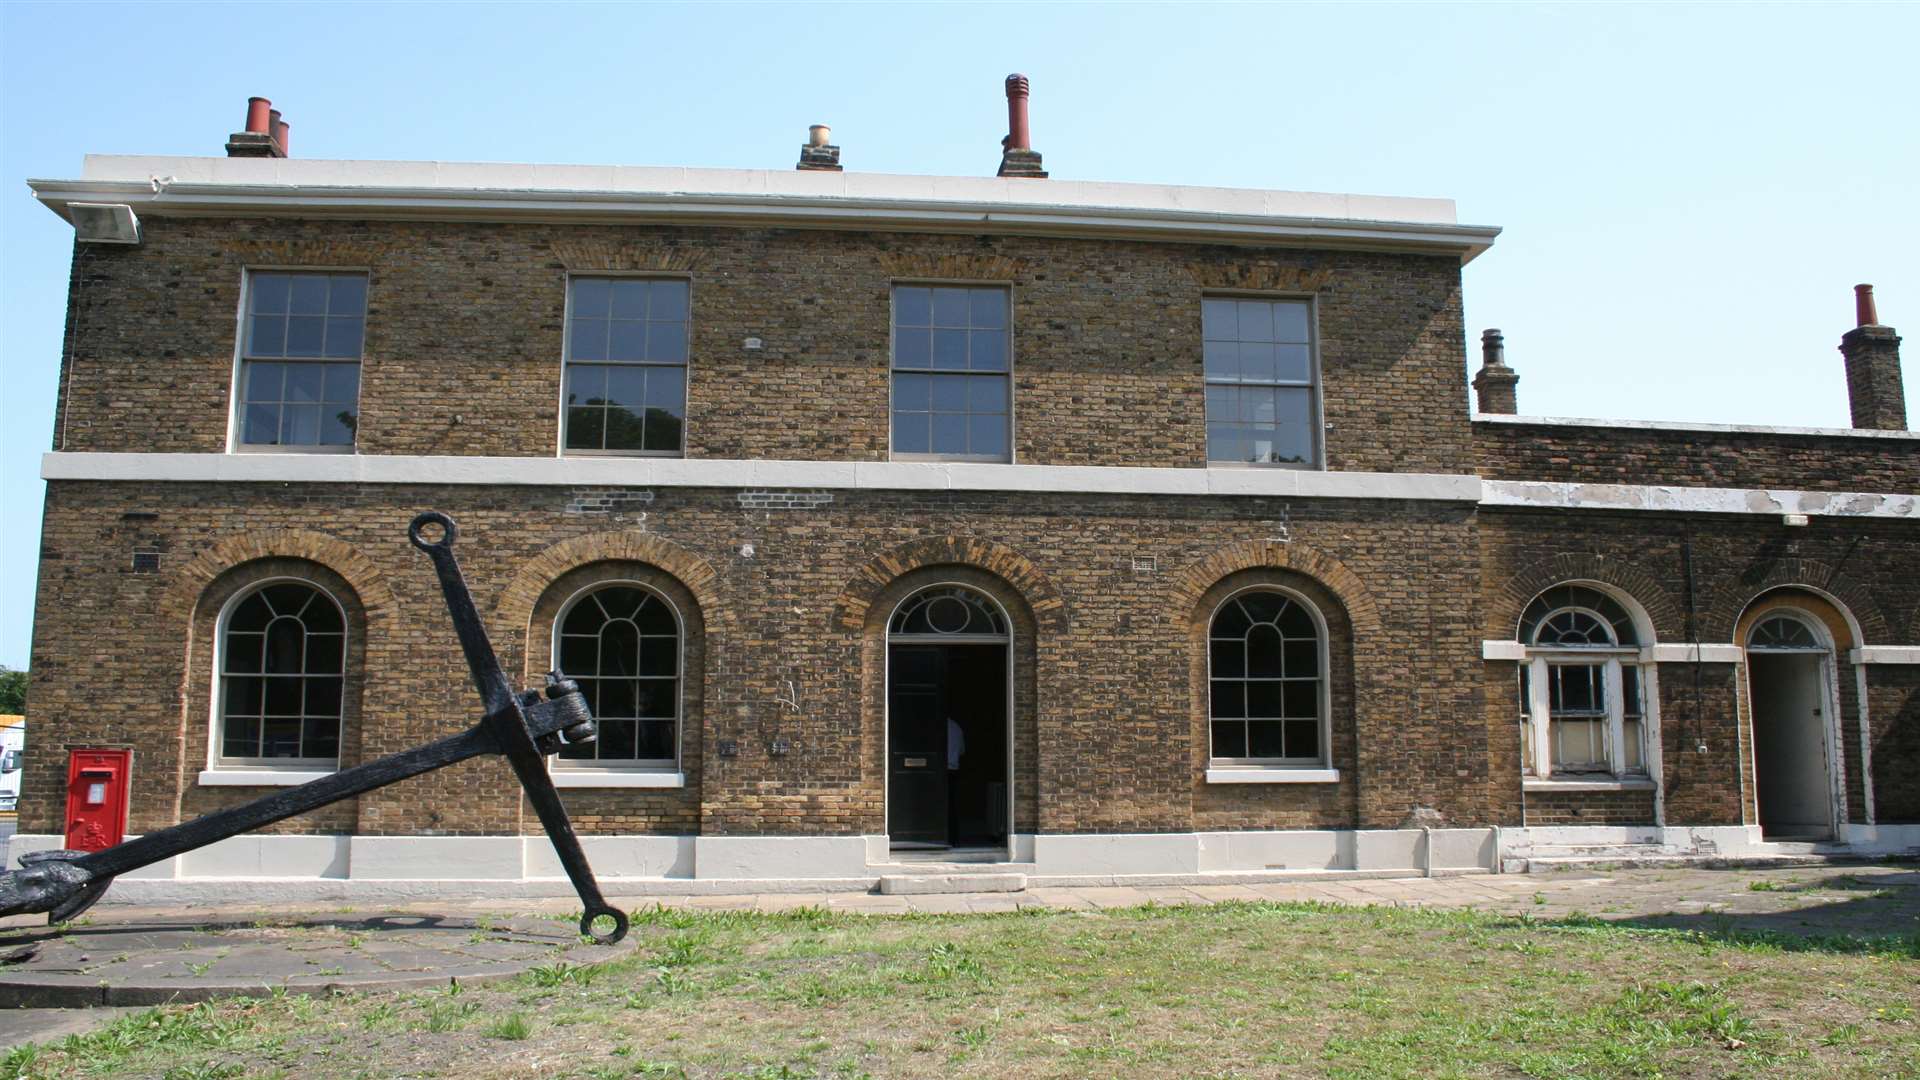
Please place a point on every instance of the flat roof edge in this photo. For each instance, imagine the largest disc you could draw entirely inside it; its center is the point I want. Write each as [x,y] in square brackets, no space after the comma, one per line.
[1683,426]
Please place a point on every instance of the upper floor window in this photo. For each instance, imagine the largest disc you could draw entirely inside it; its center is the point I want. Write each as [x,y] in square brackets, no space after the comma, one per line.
[282,674]
[952,391]
[626,365]
[621,642]
[1267,681]
[1260,376]
[1583,705]
[300,359]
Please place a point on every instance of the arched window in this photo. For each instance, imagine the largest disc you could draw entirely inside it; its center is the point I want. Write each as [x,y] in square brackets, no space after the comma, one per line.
[1783,633]
[282,672]
[621,642]
[1267,684]
[1583,701]
[949,613]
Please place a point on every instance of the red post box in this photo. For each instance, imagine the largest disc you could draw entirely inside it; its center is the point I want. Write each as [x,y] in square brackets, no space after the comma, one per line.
[97,798]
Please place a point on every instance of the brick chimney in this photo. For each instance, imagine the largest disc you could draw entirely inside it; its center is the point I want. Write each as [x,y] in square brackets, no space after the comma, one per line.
[819,155]
[265,134]
[1493,386]
[1872,352]
[1017,155]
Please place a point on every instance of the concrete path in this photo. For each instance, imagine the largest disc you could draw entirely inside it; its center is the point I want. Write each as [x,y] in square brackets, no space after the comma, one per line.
[124,955]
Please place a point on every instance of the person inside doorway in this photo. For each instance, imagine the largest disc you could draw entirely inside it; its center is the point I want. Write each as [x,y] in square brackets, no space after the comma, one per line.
[956,748]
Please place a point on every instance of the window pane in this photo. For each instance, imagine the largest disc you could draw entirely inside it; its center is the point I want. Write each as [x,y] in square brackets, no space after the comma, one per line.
[913,392]
[320,737]
[586,384]
[261,426]
[324,651]
[656,697]
[1302,659]
[1290,322]
[988,395]
[950,393]
[244,696]
[309,295]
[300,425]
[579,654]
[1223,361]
[269,293]
[587,340]
[1219,321]
[665,427]
[1256,362]
[989,350]
[912,306]
[657,656]
[585,428]
[625,385]
[1256,320]
[1302,699]
[627,299]
[669,301]
[303,382]
[990,307]
[667,342]
[626,340]
[1265,739]
[1229,659]
[342,383]
[1263,652]
[1224,443]
[1229,739]
[590,298]
[283,696]
[265,381]
[912,348]
[1229,699]
[1263,699]
[950,349]
[617,740]
[655,740]
[625,429]
[1303,738]
[323,696]
[667,388]
[618,697]
[910,433]
[950,307]
[1631,759]
[349,295]
[949,433]
[304,334]
[987,434]
[1293,363]
[267,336]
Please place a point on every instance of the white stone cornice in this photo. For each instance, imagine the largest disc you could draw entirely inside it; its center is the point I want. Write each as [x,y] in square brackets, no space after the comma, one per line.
[1699,500]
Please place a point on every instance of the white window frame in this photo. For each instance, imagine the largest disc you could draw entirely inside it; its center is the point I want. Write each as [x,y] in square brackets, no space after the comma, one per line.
[566,361]
[626,772]
[279,770]
[1316,385]
[237,383]
[1614,659]
[893,371]
[1273,770]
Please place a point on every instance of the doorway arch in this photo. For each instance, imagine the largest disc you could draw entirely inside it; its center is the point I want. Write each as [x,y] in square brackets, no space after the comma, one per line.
[949,720]
[1794,708]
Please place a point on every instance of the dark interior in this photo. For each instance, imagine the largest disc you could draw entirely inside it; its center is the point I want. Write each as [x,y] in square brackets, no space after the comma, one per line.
[928,804]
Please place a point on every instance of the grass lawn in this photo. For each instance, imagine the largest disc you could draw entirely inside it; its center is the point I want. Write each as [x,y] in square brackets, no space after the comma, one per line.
[1246,989]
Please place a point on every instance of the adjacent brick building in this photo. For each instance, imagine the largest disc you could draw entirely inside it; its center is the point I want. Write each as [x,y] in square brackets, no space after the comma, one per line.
[1101,530]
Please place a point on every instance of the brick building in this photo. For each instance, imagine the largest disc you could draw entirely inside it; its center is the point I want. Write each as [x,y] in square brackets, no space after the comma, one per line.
[1101,530]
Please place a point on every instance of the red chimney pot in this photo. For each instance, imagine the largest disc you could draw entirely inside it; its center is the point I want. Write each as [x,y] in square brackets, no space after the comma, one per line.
[1017,92]
[1863,309]
[257,110]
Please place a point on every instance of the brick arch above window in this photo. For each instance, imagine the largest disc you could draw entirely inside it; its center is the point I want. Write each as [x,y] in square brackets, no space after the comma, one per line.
[852,609]
[1818,579]
[1193,582]
[518,600]
[1660,599]
[194,578]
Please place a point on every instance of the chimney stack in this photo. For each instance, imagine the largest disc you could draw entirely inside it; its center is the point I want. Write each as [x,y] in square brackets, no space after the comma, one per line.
[1017,156]
[265,134]
[819,155]
[1872,354]
[1494,385]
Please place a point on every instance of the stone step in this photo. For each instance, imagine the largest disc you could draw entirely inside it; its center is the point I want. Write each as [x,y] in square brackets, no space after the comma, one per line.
[1751,861]
[923,884]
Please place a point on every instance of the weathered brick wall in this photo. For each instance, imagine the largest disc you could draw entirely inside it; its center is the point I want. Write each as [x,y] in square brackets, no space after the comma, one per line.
[1893,693]
[464,328]
[1617,455]
[1589,808]
[1110,583]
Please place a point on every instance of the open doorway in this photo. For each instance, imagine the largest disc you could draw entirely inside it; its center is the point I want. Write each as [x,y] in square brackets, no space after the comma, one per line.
[1787,677]
[948,761]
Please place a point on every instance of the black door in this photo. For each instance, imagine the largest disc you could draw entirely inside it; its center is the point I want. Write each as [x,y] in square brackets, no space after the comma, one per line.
[917,745]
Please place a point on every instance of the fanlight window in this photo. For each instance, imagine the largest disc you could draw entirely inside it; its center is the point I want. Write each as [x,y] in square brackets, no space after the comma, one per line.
[622,644]
[1783,632]
[1265,680]
[948,611]
[282,672]
[1575,616]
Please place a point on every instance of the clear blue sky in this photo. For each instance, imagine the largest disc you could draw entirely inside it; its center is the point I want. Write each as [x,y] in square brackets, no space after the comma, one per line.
[1689,193]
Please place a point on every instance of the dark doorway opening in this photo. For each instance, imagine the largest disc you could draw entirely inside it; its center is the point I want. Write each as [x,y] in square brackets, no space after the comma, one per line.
[947,745]
[1790,746]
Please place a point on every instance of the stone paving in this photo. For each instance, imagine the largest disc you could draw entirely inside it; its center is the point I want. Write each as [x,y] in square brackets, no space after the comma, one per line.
[129,955]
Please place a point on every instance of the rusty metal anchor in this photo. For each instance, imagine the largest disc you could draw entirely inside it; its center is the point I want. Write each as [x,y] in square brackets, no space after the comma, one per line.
[523,727]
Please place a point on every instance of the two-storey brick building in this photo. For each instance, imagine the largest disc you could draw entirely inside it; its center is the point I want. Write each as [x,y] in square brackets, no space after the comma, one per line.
[1100,530]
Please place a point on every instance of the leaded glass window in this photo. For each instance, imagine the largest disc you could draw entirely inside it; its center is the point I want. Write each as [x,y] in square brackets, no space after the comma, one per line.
[1783,633]
[1266,681]
[300,359]
[952,394]
[621,643]
[626,365]
[948,612]
[282,677]
[1260,380]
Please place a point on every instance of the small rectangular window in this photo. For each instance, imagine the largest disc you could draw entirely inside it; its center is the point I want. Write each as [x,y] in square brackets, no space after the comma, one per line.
[626,365]
[952,393]
[300,359]
[1260,379]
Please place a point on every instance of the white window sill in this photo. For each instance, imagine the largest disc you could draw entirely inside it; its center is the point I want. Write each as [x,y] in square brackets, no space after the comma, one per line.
[260,777]
[1586,785]
[616,778]
[1258,775]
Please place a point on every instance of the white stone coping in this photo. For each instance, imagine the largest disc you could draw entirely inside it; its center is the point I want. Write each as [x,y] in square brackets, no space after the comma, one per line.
[482,191]
[617,778]
[1885,654]
[956,476]
[1537,785]
[1694,652]
[1708,653]
[260,777]
[1685,426]
[1271,775]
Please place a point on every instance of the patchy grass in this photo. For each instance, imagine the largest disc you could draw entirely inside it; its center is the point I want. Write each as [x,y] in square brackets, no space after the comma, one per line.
[1249,989]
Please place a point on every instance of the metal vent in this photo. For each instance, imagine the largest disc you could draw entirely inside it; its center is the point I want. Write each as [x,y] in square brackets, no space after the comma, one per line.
[146,562]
